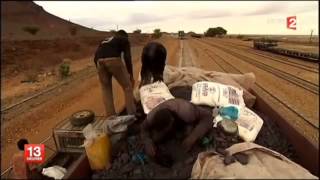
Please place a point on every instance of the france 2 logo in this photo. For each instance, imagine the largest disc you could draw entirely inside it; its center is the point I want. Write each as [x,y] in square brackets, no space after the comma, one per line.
[292,22]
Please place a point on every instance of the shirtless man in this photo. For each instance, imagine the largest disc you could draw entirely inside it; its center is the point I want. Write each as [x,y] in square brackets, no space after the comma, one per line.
[163,118]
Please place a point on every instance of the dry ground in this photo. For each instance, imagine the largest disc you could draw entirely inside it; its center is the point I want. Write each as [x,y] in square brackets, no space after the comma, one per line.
[38,121]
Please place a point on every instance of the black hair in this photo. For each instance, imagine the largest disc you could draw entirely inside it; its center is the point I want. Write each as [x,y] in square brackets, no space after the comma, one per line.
[21,144]
[162,119]
[122,33]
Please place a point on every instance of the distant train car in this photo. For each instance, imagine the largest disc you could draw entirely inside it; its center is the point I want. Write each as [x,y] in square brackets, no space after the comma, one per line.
[264,44]
[272,46]
[196,35]
[181,35]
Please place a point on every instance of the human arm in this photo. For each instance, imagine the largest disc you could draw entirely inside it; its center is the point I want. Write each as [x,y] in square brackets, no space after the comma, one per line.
[203,126]
[146,138]
[96,55]
[127,58]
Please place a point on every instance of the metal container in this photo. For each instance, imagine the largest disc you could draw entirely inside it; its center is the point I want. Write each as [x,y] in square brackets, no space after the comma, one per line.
[69,138]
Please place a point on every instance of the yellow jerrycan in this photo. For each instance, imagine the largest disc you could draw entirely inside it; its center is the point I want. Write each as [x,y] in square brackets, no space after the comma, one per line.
[99,152]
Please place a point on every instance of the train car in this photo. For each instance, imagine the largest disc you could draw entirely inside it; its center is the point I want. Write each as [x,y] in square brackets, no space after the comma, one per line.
[272,46]
[70,155]
[306,152]
[264,44]
[181,35]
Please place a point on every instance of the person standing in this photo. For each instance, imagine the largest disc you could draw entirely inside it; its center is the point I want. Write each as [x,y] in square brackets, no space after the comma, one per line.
[109,64]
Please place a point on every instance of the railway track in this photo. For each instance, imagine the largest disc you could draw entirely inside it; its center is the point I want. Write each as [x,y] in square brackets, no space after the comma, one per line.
[277,58]
[236,70]
[82,75]
[307,85]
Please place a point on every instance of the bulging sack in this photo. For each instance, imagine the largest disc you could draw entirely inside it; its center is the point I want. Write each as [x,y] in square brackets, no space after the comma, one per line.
[263,163]
[154,94]
[216,94]
[249,124]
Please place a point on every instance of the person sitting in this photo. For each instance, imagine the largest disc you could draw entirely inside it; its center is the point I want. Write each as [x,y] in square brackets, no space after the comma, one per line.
[170,115]
[21,169]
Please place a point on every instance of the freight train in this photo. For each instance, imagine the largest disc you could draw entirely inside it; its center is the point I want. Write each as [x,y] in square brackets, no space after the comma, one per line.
[272,46]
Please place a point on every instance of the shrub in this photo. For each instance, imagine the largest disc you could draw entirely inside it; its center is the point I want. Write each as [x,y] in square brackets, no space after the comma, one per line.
[73,30]
[156,33]
[31,29]
[137,31]
[191,32]
[31,76]
[240,36]
[64,70]
[217,31]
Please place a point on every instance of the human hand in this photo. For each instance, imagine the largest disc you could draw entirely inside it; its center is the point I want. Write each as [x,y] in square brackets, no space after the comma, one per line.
[132,81]
[187,144]
[150,148]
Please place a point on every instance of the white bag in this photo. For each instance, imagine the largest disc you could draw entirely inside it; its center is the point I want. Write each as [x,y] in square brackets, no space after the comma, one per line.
[118,124]
[249,124]
[216,94]
[154,94]
[56,172]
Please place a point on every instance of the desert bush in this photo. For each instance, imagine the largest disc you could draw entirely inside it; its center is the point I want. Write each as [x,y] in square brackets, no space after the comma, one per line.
[76,47]
[137,31]
[240,36]
[31,29]
[73,30]
[31,76]
[217,31]
[64,69]
[157,33]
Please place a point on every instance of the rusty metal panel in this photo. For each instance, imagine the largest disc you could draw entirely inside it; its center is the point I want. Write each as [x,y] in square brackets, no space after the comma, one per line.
[308,154]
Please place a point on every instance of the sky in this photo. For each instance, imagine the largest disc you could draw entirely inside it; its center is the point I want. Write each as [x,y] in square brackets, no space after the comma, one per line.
[237,17]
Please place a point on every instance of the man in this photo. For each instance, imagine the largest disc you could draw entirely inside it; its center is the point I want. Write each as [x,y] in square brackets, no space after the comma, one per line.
[169,116]
[20,168]
[153,62]
[108,61]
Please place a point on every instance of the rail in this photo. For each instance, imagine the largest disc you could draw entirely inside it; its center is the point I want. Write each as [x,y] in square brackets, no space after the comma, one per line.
[307,120]
[307,85]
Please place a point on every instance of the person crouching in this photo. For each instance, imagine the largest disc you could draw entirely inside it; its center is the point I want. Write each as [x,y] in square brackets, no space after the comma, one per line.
[170,115]
[153,63]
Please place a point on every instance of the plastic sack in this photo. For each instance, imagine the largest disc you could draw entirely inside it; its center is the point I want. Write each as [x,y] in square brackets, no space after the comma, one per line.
[187,76]
[154,94]
[98,148]
[227,112]
[56,172]
[216,94]
[249,124]
[118,124]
